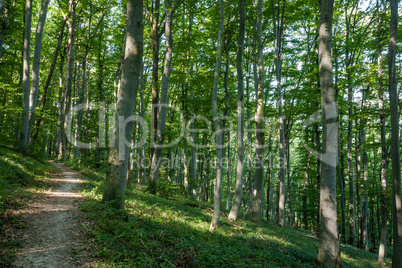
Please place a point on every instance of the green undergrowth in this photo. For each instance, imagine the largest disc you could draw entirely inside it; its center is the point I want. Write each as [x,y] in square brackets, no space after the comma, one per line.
[173,232]
[21,179]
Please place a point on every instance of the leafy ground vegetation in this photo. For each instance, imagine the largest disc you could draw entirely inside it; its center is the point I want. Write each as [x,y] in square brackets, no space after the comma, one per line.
[22,178]
[171,231]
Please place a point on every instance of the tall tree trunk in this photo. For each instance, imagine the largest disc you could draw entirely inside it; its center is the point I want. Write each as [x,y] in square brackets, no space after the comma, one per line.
[305,187]
[60,99]
[281,123]
[218,133]
[358,146]
[48,80]
[159,139]
[395,148]
[365,186]
[249,176]
[143,172]
[240,116]
[25,77]
[259,119]
[116,173]
[155,75]
[33,99]
[65,108]
[226,115]
[195,135]
[100,139]
[352,222]
[269,175]
[329,249]
[384,153]
[341,182]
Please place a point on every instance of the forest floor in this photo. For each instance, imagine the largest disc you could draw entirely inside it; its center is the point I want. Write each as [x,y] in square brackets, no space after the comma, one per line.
[52,237]
[52,216]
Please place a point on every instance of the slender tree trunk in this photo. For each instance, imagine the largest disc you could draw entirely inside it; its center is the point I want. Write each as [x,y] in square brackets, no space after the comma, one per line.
[81,98]
[281,123]
[250,151]
[384,153]
[365,186]
[395,148]
[240,116]
[305,188]
[329,249]
[259,118]
[100,142]
[352,222]
[218,133]
[358,184]
[155,75]
[116,173]
[25,77]
[156,158]
[67,84]
[60,101]
[341,182]
[143,172]
[226,115]
[33,99]
[48,80]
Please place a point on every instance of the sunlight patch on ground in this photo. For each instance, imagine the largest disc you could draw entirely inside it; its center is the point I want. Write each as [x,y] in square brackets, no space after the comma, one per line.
[63,194]
[39,249]
[43,207]
[67,180]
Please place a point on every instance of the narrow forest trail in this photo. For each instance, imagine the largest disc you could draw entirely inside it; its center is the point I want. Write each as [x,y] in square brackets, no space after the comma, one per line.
[52,236]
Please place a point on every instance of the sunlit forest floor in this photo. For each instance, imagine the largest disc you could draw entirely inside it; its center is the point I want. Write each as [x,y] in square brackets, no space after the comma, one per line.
[173,231]
[168,231]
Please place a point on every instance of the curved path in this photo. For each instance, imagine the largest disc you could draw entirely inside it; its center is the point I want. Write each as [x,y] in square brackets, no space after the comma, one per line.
[52,237]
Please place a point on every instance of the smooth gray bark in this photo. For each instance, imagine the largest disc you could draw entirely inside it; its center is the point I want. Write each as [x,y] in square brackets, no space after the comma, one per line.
[329,248]
[116,173]
[384,153]
[281,123]
[240,116]
[24,138]
[259,118]
[218,133]
[33,98]
[395,140]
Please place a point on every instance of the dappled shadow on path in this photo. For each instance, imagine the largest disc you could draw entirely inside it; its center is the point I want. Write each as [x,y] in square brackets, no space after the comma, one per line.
[51,237]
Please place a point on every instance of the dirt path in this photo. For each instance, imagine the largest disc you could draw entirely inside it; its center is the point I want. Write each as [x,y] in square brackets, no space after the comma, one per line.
[52,237]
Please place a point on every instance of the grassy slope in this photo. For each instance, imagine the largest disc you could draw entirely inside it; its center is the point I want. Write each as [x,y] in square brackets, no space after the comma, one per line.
[168,232]
[21,178]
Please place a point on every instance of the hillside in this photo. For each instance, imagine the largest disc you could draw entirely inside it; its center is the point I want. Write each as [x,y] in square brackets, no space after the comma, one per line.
[159,231]
[22,179]
[172,231]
